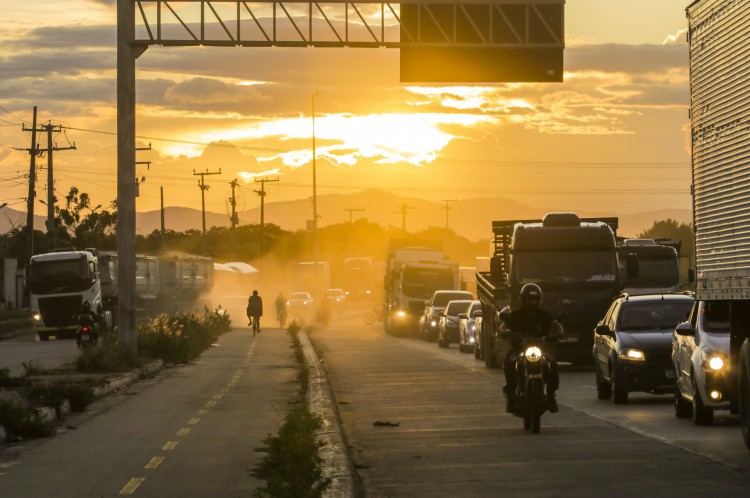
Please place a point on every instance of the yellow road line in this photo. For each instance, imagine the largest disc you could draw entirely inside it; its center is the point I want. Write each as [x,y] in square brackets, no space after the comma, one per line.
[203,411]
[194,421]
[154,462]
[183,431]
[211,403]
[132,485]
[170,445]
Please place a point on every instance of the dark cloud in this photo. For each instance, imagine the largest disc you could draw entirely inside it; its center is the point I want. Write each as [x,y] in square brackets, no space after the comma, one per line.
[68,37]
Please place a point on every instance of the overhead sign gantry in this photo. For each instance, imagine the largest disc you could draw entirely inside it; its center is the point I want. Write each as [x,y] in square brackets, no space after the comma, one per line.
[450,41]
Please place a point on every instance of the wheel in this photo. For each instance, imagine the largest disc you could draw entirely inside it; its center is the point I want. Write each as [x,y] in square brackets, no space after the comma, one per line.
[535,401]
[702,415]
[369,318]
[603,388]
[477,351]
[682,409]
[44,336]
[490,358]
[526,420]
[619,396]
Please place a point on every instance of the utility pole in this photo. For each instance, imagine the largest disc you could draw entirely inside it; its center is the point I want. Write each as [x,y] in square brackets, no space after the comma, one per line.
[32,180]
[202,185]
[352,210]
[403,208]
[161,192]
[316,290]
[447,208]
[49,127]
[233,219]
[262,194]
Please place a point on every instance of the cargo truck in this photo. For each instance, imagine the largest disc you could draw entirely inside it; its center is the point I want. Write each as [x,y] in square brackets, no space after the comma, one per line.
[658,266]
[413,274]
[573,260]
[719,41]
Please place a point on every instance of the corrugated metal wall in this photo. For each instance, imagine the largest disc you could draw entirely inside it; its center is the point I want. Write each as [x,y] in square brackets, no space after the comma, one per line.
[720,110]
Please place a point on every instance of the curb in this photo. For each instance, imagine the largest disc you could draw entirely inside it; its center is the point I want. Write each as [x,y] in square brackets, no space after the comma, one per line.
[51,415]
[336,464]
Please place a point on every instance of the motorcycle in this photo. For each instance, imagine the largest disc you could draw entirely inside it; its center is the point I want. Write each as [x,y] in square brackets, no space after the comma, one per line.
[87,334]
[531,371]
[376,313]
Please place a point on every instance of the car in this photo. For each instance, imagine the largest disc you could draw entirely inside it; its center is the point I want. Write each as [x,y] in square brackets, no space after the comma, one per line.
[467,328]
[701,357]
[428,323]
[336,297]
[448,326]
[633,345]
[478,337]
[300,304]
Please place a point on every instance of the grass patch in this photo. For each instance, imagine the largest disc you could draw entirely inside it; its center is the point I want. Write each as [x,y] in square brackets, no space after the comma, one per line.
[22,421]
[291,467]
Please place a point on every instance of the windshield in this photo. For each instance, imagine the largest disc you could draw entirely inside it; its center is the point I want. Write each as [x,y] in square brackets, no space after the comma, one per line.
[662,314]
[565,267]
[715,317]
[443,298]
[299,296]
[51,277]
[421,282]
[655,273]
[456,307]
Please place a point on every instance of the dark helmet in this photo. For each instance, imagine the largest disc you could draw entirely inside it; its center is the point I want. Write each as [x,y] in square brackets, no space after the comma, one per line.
[531,295]
[86,306]
[255,293]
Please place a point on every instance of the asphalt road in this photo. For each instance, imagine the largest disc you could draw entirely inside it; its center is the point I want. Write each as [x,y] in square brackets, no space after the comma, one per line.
[27,349]
[453,437]
[192,431]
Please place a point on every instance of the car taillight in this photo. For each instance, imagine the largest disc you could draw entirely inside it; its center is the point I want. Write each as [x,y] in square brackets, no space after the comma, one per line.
[85,329]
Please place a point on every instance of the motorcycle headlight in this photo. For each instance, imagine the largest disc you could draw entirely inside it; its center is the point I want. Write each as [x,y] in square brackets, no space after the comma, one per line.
[533,353]
[715,362]
[401,313]
[630,354]
[433,323]
[37,317]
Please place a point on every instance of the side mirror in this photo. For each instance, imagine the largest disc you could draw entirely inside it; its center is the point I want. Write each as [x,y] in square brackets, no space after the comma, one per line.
[477,313]
[602,330]
[685,329]
[633,265]
[427,303]
[691,275]
[463,316]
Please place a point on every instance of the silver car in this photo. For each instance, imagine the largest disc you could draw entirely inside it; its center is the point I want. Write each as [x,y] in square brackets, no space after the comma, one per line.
[700,353]
[467,336]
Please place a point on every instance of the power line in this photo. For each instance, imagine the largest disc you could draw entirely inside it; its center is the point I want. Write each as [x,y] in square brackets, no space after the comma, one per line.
[11,114]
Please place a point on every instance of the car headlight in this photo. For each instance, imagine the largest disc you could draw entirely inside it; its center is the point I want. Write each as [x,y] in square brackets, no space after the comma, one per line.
[632,354]
[401,313]
[715,362]
[433,323]
[37,317]
[533,354]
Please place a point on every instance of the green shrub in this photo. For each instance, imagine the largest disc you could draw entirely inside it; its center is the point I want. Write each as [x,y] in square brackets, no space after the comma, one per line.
[181,337]
[80,394]
[291,467]
[22,422]
[105,357]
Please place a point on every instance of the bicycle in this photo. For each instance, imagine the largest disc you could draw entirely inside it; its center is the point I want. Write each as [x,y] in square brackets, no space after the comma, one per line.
[281,316]
[255,324]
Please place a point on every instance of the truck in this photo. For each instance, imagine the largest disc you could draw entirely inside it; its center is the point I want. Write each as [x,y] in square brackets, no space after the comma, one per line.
[306,275]
[359,278]
[573,260]
[719,37]
[58,283]
[658,266]
[412,274]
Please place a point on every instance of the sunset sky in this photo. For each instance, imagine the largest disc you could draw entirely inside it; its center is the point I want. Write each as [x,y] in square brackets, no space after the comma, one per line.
[612,136]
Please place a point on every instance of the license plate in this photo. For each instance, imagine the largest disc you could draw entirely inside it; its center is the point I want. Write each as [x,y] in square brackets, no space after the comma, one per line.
[85,337]
[669,374]
[569,339]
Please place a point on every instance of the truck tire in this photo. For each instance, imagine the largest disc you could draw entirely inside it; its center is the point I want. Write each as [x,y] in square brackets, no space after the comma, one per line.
[744,391]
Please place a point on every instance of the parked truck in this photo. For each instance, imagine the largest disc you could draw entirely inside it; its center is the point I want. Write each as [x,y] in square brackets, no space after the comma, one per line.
[573,260]
[658,265]
[58,283]
[358,278]
[719,39]
[412,274]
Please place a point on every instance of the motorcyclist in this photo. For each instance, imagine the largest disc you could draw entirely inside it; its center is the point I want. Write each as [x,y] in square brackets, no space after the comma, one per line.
[529,320]
[281,308]
[87,316]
